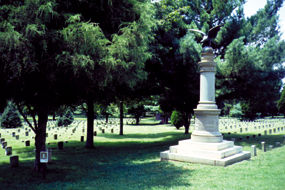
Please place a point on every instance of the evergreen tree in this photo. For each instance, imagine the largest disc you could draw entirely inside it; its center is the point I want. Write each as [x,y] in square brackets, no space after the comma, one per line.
[10,117]
[251,70]
[30,44]
[66,119]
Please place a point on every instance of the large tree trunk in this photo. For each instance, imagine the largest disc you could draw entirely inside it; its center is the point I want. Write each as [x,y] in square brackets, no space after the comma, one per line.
[40,139]
[107,118]
[90,124]
[121,117]
[137,120]
[165,119]
[187,121]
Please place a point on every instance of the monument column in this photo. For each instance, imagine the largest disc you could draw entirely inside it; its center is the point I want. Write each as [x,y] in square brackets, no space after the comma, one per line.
[206,145]
[207,114]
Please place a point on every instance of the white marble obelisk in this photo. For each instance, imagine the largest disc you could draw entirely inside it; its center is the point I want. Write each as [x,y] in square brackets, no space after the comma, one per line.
[206,145]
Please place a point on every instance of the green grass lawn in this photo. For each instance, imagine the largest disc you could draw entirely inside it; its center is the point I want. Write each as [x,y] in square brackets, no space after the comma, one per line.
[132,162]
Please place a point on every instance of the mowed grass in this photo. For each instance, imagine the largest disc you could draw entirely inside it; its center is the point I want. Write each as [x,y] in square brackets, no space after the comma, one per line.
[132,162]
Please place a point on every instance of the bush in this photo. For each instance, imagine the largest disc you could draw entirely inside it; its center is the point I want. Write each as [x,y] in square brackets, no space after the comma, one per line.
[177,119]
[66,119]
[10,117]
[236,111]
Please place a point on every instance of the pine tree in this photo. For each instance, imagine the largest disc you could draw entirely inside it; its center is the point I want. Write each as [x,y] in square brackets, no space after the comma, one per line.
[66,119]
[10,117]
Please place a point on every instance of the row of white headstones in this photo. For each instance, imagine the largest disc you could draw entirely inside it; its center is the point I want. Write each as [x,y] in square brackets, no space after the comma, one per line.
[53,132]
[266,127]
[78,127]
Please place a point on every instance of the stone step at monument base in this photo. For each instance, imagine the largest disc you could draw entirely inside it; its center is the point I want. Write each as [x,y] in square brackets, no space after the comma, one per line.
[217,154]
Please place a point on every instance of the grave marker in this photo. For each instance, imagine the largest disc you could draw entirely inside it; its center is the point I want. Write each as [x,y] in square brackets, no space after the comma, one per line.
[253,150]
[60,145]
[14,161]
[8,151]
[263,147]
[4,144]
[27,143]
[2,140]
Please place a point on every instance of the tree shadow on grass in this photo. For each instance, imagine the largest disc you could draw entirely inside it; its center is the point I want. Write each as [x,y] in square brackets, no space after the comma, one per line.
[125,167]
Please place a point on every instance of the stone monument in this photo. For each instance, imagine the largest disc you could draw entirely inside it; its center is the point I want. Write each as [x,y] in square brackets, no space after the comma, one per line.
[206,145]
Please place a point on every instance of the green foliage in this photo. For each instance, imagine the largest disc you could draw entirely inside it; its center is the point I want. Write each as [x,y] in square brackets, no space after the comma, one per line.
[251,69]
[130,48]
[66,119]
[10,117]
[177,119]
[236,111]
[137,110]
[252,75]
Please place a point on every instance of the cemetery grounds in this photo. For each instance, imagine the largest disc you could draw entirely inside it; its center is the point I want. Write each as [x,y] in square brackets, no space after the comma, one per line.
[132,161]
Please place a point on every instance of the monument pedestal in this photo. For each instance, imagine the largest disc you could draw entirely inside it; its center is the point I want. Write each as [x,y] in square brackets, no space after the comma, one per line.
[216,154]
[206,145]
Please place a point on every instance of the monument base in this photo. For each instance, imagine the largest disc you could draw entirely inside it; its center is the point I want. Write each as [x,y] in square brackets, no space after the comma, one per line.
[218,154]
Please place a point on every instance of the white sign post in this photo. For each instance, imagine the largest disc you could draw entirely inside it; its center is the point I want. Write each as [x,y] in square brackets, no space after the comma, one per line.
[44,157]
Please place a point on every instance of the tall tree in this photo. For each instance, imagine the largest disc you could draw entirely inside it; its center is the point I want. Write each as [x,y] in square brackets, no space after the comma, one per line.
[87,51]
[30,35]
[127,25]
[251,70]
[130,49]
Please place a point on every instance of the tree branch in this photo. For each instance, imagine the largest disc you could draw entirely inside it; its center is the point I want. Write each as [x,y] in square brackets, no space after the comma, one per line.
[25,117]
[33,116]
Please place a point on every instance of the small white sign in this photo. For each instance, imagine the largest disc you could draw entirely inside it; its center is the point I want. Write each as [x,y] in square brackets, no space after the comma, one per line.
[44,157]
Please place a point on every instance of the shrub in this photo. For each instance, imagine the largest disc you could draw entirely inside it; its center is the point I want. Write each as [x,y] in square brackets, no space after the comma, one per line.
[66,119]
[236,111]
[177,119]
[10,117]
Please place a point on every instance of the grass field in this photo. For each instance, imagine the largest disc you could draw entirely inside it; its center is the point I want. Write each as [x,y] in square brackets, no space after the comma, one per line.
[132,162]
